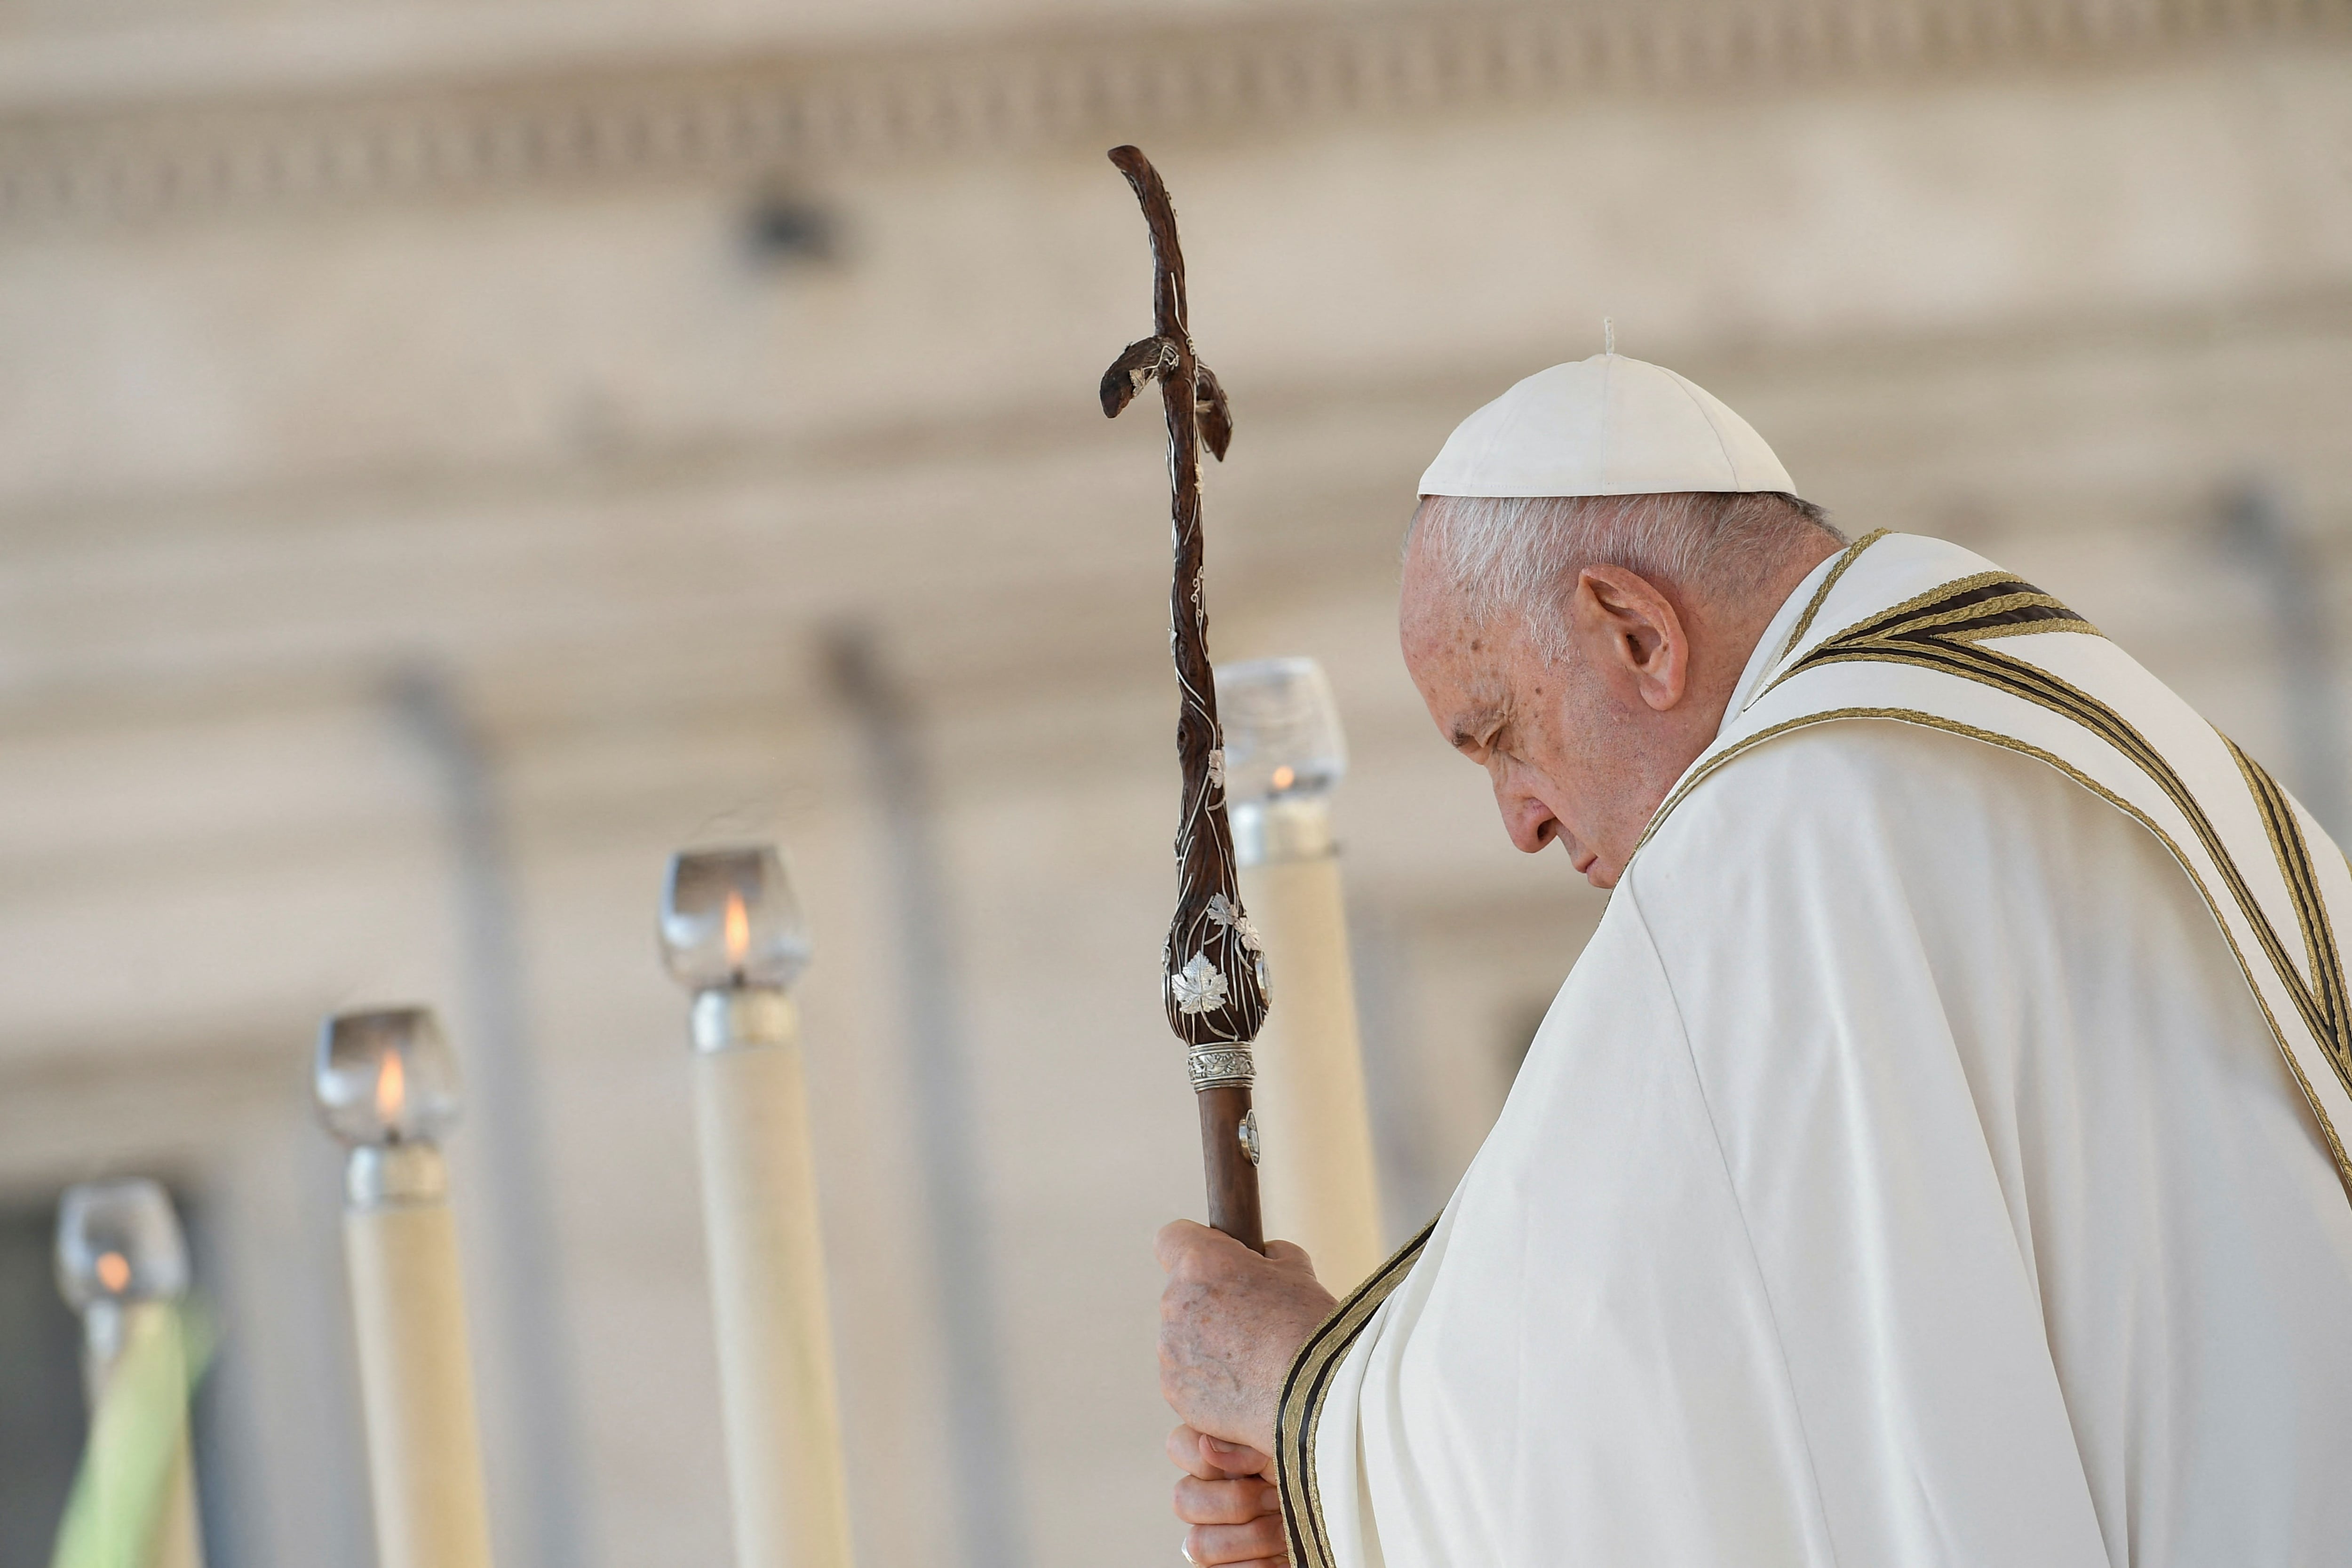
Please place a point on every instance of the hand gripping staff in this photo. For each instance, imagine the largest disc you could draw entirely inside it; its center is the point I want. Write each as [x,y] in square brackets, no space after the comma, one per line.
[1214,966]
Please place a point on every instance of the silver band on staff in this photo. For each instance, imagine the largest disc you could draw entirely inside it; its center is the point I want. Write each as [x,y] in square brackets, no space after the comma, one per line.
[1222,1066]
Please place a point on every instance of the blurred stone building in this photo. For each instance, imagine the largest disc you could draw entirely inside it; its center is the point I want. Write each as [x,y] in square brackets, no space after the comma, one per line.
[453,452]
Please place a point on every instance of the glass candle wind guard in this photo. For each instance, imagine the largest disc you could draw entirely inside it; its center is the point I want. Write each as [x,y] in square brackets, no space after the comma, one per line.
[386,1076]
[730,919]
[119,1242]
[1281,730]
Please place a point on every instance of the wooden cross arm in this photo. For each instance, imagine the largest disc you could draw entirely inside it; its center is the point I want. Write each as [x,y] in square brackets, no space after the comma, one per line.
[1146,360]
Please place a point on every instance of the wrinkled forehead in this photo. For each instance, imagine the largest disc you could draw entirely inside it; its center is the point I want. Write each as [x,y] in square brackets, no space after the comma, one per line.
[1434,607]
[1426,587]
[1461,666]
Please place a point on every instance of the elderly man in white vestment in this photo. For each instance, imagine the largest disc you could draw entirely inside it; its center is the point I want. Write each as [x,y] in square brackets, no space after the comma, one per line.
[1934,1157]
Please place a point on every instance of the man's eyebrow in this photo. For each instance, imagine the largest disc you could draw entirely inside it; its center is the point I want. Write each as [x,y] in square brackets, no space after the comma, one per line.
[1468,730]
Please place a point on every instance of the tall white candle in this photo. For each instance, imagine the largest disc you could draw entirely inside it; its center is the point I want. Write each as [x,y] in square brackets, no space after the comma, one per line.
[387,1085]
[732,932]
[1283,753]
[123,1265]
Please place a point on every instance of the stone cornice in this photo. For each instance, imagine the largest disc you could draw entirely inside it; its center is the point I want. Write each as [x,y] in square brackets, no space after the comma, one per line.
[787,115]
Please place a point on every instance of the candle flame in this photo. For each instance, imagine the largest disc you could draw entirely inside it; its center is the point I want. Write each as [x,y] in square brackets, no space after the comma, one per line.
[391,1088]
[113,1271]
[738,930]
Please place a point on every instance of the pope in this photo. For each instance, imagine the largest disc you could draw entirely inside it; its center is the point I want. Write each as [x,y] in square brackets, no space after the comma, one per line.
[1935,1156]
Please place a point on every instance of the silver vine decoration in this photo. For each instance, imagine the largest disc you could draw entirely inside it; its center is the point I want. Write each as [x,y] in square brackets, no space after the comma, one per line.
[1213,974]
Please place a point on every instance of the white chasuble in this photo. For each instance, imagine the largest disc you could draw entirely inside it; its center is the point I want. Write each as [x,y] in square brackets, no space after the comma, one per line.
[1932,1159]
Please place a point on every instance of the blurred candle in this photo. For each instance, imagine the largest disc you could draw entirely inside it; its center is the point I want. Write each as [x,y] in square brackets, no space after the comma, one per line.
[731,933]
[1284,752]
[388,1088]
[124,1267]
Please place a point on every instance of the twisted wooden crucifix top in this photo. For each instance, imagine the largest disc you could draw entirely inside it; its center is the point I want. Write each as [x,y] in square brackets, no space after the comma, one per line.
[1213,969]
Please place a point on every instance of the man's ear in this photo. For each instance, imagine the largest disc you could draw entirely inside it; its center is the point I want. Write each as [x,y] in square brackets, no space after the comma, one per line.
[1633,630]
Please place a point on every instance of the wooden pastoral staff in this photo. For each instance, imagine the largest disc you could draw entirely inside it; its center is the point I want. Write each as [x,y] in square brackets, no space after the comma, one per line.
[1213,969]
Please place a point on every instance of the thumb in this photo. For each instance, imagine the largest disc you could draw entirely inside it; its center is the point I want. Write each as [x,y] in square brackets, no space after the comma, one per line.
[1289,1252]
[1175,1240]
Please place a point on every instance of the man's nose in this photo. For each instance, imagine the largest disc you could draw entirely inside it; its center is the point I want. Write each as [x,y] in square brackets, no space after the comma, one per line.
[1527,820]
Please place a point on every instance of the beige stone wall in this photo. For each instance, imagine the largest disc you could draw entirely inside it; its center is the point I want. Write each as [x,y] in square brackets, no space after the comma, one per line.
[539,425]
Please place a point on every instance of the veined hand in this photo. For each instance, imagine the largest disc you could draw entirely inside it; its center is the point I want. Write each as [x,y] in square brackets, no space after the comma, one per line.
[1230,1323]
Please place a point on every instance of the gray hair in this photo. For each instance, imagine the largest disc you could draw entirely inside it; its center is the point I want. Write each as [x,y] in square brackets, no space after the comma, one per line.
[1520,556]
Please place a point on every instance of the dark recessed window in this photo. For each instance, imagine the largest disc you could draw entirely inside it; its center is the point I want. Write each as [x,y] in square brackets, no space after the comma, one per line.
[783,230]
[41,1415]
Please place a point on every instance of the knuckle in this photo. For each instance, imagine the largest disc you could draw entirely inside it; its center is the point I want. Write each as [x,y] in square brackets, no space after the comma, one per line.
[1203,1502]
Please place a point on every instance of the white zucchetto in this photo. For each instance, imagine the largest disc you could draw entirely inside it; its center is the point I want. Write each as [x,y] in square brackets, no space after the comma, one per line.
[1603,426]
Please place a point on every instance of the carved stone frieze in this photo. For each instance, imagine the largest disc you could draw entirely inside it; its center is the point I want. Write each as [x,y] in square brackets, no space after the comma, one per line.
[802,113]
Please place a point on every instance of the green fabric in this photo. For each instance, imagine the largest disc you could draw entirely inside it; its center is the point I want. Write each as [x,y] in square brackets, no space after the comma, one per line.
[136,1438]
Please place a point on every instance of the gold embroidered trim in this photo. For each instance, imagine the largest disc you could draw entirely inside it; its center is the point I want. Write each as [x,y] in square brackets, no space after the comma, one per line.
[2326,996]
[1301,1410]
[1813,606]
[1971,608]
